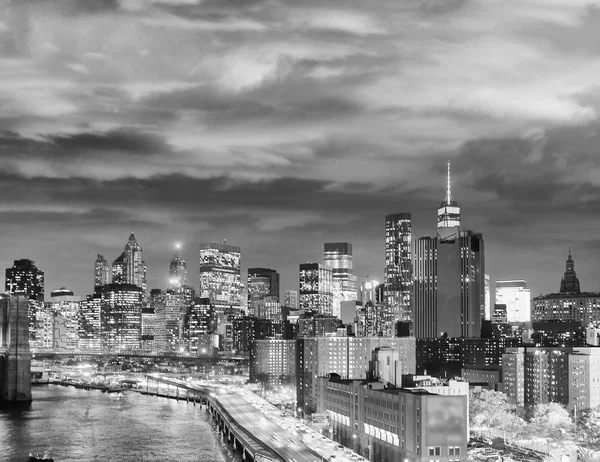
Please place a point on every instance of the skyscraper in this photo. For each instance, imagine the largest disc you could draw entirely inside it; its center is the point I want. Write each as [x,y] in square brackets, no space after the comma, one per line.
[101,272]
[177,270]
[89,322]
[517,299]
[338,257]
[64,308]
[121,317]
[488,299]
[130,267]
[449,277]
[398,270]
[27,279]
[220,277]
[368,291]
[315,288]
[263,283]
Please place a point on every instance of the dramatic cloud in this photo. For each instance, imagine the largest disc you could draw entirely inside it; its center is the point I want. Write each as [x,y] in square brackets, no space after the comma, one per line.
[282,124]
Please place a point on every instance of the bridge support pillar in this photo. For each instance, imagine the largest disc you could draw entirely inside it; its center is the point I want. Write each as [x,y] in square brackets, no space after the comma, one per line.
[15,364]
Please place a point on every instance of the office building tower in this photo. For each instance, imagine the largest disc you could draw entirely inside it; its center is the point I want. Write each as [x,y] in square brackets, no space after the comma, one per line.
[315,288]
[398,278]
[338,257]
[200,326]
[147,342]
[348,357]
[449,278]
[177,270]
[273,362]
[263,283]
[369,320]
[500,314]
[101,272]
[63,311]
[220,277]
[570,283]
[570,304]
[130,267]
[269,308]
[121,317]
[170,309]
[516,297]
[488,299]
[291,299]
[24,278]
[368,291]
[89,322]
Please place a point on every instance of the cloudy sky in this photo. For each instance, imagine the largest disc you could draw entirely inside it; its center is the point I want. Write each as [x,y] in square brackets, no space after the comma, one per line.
[282,124]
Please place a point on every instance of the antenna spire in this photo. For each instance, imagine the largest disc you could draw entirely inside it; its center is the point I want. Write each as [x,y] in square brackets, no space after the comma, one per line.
[448,193]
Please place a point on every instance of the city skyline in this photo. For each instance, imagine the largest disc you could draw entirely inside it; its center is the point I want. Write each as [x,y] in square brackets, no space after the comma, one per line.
[280,142]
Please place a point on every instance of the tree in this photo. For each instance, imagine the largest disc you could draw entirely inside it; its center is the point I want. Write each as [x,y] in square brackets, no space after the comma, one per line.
[587,432]
[550,420]
[492,409]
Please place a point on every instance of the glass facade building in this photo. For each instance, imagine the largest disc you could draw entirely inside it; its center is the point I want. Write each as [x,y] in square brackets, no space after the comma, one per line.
[121,317]
[338,257]
[398,278]
[315,288]
[516,297]
[220,278]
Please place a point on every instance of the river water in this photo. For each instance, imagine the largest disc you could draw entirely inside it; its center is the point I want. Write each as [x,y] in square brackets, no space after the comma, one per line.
[79,425]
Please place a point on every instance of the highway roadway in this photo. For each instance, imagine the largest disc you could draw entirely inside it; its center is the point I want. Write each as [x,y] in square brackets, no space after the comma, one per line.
[289,438]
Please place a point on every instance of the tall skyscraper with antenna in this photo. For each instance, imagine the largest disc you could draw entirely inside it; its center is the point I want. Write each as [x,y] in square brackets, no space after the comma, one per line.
[449,277]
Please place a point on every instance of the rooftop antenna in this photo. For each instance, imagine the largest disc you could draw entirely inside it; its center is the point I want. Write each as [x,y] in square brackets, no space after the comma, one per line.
[448,193]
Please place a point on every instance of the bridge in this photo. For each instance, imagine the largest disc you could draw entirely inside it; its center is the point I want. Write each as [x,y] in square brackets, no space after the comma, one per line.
[101,352]
[15,359]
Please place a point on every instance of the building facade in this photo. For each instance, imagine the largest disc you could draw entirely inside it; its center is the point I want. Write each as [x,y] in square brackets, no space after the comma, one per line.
[538,375]
[338,257]
[291,299]
[316,288]
[347,356]
[220,277]
[515,295]
[273,361]
[130,267]
[178,275]
[101,272]
[391,424]
[25,278]
[398,271]
[121,317]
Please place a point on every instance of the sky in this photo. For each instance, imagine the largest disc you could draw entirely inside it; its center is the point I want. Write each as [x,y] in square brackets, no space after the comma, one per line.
[283,124]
